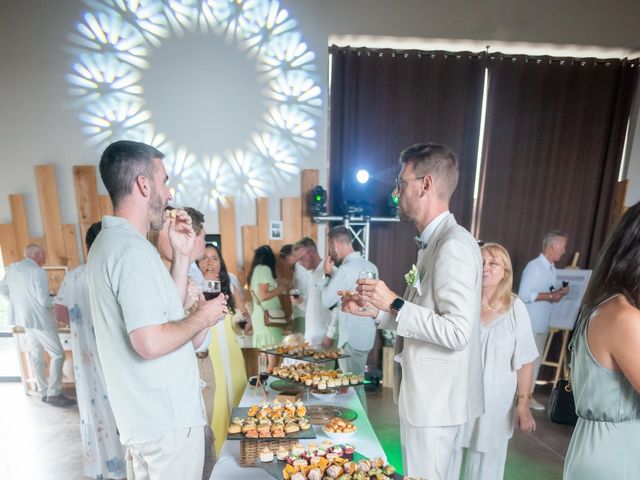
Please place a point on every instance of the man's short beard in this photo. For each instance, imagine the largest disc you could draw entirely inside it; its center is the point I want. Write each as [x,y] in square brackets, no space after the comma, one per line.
[404,217]
[156,210]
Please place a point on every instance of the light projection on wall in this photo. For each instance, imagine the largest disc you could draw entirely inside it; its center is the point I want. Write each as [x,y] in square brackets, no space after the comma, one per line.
[113,46]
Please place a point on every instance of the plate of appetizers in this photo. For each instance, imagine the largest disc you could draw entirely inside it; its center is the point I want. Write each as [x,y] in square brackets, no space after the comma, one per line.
[311,375]
[270,421]
[325,460]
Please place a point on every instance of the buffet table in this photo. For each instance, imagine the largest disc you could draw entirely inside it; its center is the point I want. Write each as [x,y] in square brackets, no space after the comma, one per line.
[364,439]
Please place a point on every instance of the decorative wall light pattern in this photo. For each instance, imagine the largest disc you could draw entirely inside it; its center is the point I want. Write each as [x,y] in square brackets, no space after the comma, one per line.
[111,48]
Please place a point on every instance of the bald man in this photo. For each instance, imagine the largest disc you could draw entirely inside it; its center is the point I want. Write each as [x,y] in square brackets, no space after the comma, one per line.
[25,286]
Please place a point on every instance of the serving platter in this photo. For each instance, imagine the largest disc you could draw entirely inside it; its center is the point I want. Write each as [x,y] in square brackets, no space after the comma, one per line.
[242,413]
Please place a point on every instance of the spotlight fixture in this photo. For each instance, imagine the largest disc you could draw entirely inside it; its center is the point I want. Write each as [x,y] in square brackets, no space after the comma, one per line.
[318,201]
[362,176]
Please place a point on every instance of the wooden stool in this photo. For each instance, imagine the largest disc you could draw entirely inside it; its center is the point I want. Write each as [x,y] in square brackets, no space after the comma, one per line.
[559,364]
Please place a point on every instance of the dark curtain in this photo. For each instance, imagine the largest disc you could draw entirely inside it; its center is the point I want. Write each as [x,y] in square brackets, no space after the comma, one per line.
[554,139]
[383,101]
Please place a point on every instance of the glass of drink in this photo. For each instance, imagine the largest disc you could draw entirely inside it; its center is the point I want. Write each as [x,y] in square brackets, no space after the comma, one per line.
[295,293]
[368,276]
[210,289]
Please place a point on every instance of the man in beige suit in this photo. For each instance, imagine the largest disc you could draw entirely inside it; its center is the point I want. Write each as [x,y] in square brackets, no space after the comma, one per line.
[438,377]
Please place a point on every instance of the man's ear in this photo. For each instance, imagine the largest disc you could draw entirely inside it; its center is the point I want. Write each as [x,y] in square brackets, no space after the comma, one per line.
[143,186]
[427,184]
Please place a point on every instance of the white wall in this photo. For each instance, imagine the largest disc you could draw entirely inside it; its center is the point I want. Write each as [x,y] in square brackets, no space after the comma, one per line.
[37,125]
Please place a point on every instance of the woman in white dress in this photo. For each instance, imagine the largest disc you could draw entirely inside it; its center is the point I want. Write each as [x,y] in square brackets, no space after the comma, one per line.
[508,352]
[103,455]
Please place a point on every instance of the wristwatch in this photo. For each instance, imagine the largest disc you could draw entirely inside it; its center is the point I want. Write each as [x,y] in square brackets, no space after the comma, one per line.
[396,305]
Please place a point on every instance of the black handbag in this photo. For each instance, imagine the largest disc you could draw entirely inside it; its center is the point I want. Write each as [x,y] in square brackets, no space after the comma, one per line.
[562,408]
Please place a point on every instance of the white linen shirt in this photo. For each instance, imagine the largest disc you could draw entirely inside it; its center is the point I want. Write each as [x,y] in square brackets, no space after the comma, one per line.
[358,331]
[538,276]
[130,288]
[25,286]
[317,318]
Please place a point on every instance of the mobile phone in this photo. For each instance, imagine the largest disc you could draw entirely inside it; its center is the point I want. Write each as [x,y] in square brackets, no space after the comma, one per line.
[565,283]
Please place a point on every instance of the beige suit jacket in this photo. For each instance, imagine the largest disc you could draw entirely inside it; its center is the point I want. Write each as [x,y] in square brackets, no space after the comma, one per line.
[438,333]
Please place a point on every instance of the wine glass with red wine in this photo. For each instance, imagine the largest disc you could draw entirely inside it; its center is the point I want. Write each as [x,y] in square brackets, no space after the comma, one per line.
[210,289]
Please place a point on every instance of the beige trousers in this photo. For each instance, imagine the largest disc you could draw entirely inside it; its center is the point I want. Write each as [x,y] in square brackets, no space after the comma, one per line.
[176,455]
[208,378]
[428,452]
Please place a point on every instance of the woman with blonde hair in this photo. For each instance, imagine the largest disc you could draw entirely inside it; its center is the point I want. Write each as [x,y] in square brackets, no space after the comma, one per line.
[508,352]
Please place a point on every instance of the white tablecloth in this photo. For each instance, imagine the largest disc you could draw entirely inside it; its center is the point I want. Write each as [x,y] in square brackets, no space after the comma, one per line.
[365,440]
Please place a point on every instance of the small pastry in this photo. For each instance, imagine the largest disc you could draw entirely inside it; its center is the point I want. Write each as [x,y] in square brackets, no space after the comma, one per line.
[301,411]
[308,382]
[331,383]
[332,456]
[353,380]
[251,434]
[266,455]
[364,465]
[337,450]
[300,462]
[314,460]
[327,444]
[322,385]
[345,381]
[253,409]
[334,471]
[297,476]
[282,453]
[321,452]
[235,428]
[297,449]
[314,474]
[348,449]
[350,467]
[292,428]
[264,434]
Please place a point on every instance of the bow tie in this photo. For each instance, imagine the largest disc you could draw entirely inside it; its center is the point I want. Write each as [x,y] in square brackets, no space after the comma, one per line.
[420,244]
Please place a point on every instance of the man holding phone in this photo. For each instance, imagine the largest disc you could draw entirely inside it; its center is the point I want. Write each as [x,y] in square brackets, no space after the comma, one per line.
[538,292]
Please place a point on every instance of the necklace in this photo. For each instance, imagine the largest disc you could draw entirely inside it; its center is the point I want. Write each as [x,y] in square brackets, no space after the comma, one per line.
[488,308]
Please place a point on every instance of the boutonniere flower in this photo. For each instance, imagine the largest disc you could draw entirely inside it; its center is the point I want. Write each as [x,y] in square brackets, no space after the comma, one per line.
[411,276]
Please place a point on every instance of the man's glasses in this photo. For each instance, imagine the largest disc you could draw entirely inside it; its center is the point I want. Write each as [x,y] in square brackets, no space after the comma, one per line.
[401,182]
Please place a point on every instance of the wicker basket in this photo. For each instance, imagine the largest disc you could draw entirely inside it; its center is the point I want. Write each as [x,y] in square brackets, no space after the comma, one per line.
[250,449]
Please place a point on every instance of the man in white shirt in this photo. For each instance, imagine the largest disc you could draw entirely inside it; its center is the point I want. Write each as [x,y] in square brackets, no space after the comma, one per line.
[438,375]
[301,277]
[355,335]
[145,341]
[25,286]
[538,291]
[317,317]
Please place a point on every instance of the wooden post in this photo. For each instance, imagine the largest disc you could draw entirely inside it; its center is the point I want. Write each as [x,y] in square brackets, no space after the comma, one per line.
[8,244]
[50,213]
[227,221]
[262,210]
[19,220]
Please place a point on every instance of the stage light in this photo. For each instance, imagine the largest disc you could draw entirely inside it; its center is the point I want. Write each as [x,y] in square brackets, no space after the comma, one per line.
[362,176]
[318,201]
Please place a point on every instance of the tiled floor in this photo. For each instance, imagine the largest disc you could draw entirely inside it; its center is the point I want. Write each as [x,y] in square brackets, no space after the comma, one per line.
[41,442]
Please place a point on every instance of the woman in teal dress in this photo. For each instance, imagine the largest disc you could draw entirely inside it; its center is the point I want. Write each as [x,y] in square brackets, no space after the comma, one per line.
[605,365]
[264,292]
